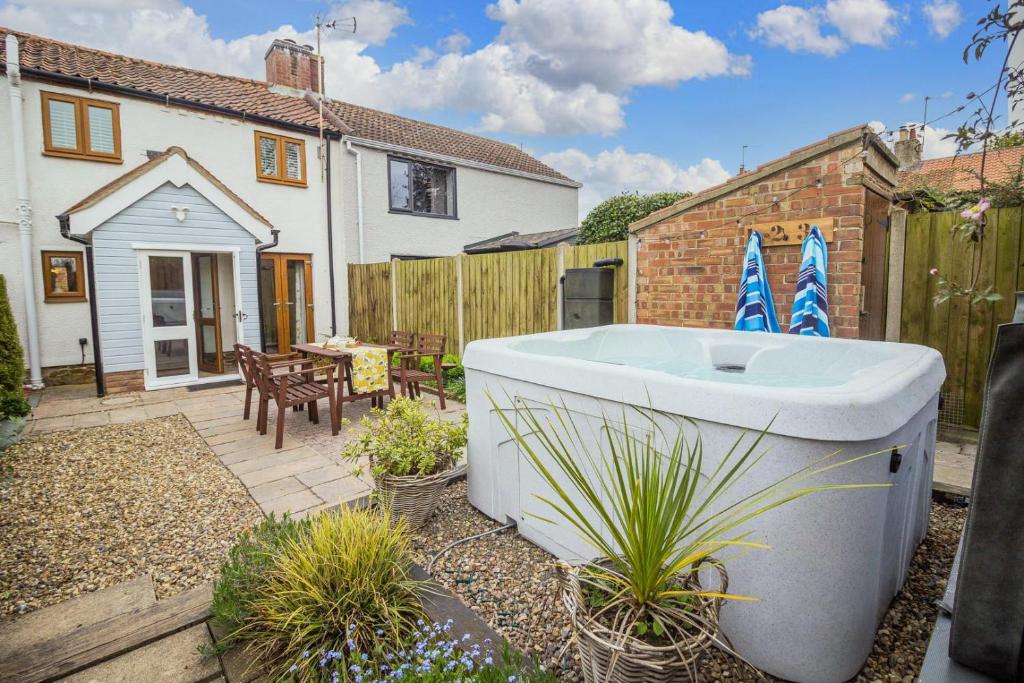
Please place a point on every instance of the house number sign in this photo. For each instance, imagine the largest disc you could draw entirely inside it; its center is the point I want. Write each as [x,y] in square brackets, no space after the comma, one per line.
[781,233]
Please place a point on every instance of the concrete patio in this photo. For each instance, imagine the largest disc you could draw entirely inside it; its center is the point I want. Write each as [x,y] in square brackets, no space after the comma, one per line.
[305,476]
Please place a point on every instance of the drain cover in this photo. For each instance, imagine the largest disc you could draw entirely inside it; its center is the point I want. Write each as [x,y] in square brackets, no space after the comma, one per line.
[731,367]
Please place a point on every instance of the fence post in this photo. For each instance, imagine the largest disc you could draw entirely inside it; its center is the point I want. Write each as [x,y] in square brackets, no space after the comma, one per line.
[894,287]
[394,294]
[560,267]
[459,312]
[632,247]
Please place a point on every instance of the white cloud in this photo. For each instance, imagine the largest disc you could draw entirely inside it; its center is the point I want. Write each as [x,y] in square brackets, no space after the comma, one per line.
[877,126]
[611,172]
[943,16]
[863,22]
[935,144]
[556,66]
[907,98]
[796,29]
[854,22]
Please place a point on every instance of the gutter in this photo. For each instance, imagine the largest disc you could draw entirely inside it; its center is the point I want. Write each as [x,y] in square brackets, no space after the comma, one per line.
[97,358]
[23,210]
[359,196]
[99,86]
[330,241]
[274,233]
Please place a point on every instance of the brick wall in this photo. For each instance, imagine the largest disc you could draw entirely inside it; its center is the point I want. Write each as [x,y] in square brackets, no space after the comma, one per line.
[120,382]
[689,265]
[292,66]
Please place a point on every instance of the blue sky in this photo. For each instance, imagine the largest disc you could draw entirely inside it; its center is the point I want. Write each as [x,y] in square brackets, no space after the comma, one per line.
[620,94]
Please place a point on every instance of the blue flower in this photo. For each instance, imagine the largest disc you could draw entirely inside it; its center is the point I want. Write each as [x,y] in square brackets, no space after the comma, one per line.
[512,679]
[380,632]
[305,654]
[489,660]
[293,668]
[354,669]
[351,627]
[465,637]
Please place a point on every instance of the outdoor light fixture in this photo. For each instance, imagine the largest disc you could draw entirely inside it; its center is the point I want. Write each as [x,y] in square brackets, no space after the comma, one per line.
[180,212]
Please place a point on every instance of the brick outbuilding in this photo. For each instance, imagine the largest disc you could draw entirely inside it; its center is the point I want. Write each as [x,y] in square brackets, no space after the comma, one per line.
[689,256]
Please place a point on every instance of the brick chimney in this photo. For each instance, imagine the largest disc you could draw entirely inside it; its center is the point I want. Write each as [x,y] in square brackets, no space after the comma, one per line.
[292,65]
[908,148]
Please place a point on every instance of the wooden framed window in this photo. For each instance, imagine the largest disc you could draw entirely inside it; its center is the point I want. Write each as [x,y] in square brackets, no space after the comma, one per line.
[81,128]
[421,189]
[280,159]
[63,276]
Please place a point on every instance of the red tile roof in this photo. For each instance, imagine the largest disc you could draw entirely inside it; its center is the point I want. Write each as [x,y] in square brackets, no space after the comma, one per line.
[254,98]
[961,173]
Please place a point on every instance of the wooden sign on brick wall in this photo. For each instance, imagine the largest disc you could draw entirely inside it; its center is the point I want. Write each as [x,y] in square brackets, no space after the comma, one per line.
[781,233]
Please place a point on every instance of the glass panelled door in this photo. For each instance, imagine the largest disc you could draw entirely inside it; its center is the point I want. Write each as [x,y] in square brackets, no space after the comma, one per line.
[167,312]
[209,350]
[286,286]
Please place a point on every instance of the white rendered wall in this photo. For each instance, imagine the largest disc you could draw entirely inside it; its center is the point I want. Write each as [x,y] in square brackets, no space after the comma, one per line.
[223,145]
[489,204]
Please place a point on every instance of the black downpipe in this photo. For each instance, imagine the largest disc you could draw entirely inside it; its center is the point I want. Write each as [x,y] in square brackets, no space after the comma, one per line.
[97,360]
[274,232]
[330,243]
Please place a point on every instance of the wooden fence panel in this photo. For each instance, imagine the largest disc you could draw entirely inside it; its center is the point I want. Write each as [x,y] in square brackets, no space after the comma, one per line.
[503,294]
[425,290]
[369,301]
[962,332]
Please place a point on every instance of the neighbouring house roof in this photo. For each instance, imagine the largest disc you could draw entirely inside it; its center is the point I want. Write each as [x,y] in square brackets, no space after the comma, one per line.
[252,216]
[862,133]
[42,57]
[513,241]
[962,173]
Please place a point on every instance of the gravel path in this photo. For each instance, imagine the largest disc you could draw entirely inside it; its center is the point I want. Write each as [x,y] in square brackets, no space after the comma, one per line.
[88,508]
[510,583]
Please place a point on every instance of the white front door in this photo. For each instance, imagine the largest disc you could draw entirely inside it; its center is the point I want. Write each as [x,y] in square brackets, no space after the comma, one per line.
[168,323]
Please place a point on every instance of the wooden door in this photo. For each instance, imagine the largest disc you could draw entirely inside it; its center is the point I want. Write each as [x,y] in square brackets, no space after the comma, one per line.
[209,344]
[286,286]
[873,278]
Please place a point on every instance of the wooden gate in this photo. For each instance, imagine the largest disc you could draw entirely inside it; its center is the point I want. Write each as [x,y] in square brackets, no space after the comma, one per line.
[964,333]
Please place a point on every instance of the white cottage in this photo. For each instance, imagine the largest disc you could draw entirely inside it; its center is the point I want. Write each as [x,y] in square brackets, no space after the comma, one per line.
[151,216]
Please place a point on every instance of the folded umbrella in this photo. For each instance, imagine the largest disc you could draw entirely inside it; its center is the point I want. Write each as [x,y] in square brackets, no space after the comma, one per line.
[810,308]
[755,311]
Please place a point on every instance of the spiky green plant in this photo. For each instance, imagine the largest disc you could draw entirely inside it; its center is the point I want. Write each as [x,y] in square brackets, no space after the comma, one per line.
[662,523]
[343,581]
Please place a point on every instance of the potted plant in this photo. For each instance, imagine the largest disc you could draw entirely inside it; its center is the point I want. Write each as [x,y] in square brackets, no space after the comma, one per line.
[13,406]
[661,522]
[412,457]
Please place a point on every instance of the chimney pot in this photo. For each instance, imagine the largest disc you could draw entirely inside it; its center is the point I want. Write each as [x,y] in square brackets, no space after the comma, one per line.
[908,148]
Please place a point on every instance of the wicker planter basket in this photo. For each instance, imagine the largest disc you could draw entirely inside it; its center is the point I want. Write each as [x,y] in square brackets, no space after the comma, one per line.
[415,498]
[610,657]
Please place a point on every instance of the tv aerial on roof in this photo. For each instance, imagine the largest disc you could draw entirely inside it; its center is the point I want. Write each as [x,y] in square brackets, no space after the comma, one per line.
[345,24]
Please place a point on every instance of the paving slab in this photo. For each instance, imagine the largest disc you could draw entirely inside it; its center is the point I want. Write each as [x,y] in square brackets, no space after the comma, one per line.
[341,490]
[125,415]
[59,620]
[275,489]
[256,444]
[295,502]
[229,432]
[174,659]
[324,475]
[290,469]
[241,462]
[161,410]
[52,424]
[92,419]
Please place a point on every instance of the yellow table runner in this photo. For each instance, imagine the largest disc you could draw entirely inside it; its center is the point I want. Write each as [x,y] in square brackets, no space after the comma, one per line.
[369,369]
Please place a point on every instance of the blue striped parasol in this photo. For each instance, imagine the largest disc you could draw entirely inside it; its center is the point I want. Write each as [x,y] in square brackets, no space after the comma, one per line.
[810,308]
[755,310]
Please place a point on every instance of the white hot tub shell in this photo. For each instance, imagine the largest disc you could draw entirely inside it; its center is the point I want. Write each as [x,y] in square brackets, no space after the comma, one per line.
[837,557]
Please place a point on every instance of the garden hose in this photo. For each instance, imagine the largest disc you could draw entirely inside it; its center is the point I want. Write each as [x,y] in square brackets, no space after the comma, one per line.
[430,565]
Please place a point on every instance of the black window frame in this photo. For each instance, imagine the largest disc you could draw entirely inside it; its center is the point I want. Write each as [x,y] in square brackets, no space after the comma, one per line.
[409,212]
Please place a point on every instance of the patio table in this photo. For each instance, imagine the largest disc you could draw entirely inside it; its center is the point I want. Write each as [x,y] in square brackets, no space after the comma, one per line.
[343,358]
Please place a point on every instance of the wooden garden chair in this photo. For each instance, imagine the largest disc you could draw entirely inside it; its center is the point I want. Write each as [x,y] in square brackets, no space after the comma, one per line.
[410,375]
[289,361]
[290,389]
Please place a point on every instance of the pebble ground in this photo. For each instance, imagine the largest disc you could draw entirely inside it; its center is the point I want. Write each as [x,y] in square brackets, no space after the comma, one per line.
[85,509]
[510,583]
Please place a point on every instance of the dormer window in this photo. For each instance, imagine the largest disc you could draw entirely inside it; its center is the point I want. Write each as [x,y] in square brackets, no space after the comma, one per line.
[280,159]
[81,128]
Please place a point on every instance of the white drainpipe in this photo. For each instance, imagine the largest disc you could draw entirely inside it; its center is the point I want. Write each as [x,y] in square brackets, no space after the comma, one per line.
[23,209]
[359,195]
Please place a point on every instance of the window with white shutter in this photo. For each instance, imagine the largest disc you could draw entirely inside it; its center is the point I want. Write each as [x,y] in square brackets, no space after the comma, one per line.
[82,128]
[280,159]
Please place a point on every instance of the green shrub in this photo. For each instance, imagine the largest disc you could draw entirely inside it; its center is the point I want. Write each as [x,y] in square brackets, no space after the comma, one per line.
[12,359]
[340,580]
[609,221]
[454,377]
[403,440]
[243,574]
[13,405]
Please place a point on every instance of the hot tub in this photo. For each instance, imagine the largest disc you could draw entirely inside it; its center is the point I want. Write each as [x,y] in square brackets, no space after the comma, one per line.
[837,558]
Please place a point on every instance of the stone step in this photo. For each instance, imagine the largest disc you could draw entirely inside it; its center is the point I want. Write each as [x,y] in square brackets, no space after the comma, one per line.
[60,621]
[99,641]
[174,659]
